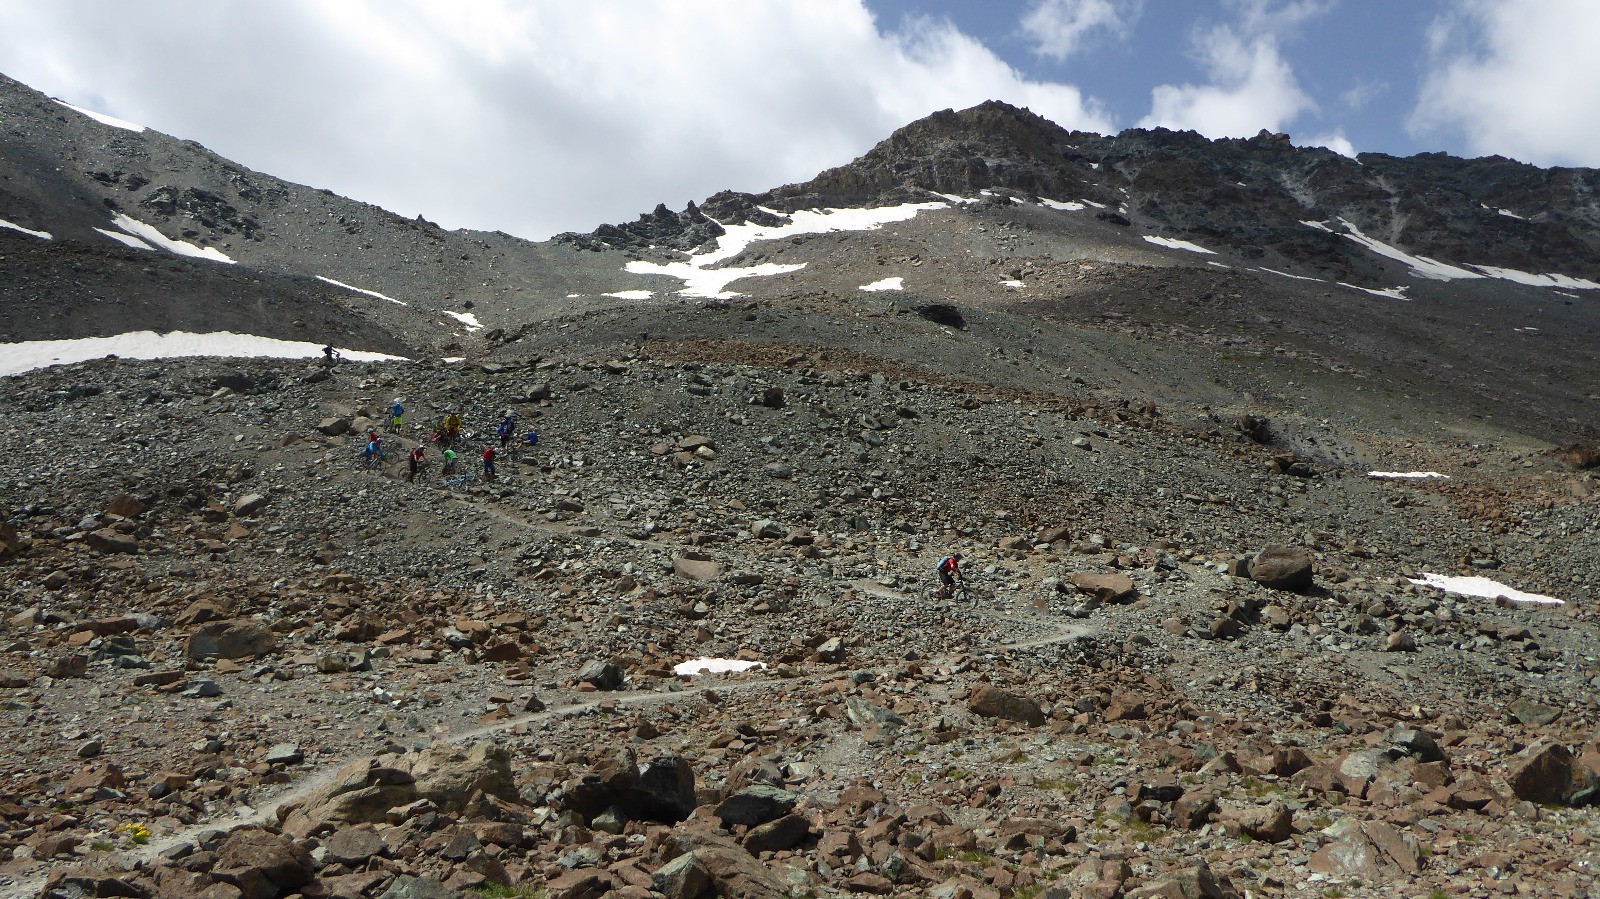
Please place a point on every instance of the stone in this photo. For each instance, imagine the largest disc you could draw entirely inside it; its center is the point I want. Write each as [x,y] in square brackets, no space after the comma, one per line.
[1270,823]
[1348,854]
[1534,714]
[696,569]
[992,702]
[1415,743]
[1283,567]
[354,845]
[779,834]
[408,887]
[333,427]
[756,805]
[1400,641]
[448,775]
[1545,773]
[238,638]
[1106,587]
[831,650]
[582,883]
[601,675]
[262,864]
[249,504]
[110,540]
[685,877]
[124,506]
[284,754]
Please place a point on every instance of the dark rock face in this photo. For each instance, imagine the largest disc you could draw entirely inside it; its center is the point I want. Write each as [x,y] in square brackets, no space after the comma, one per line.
[1489,211]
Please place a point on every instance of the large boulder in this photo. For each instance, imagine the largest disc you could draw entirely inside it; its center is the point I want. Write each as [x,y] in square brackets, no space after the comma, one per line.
[262,864]
[449,775]
[756,805]
[238,638]
[992,702]
[1283,567]
[1548,773]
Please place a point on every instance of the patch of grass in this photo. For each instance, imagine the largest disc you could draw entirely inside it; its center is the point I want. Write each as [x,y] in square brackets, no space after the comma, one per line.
[1142,831]
[1438,893]
[504,891]
[970,856]
[957,774]
[1334,893]
[1063,786]
[1321,822]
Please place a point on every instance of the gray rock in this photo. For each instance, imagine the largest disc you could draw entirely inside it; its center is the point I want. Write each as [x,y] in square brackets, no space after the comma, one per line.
[249,504]
[685,877]
[603,675]
[284,754]
[756,805]
[407,887]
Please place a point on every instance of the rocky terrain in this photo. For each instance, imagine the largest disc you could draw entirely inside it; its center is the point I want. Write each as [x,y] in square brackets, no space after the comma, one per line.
[239,663]
[1199,656]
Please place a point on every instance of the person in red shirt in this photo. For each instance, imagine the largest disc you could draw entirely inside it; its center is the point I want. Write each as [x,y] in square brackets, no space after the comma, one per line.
[418,457]
[949,572]
[488,463]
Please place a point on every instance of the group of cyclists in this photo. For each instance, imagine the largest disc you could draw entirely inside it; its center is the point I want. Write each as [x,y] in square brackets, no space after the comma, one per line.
[449,436]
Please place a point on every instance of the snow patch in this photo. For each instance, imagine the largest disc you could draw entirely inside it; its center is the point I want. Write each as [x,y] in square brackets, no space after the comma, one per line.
[16,358]
[896,283]
[1063,205]
[959,201]
[1218,264]
[1481,587]
[126,239]
[629,294]
[1421,266]
[466,318]
[701,280]
[1317,225]
[1532,280]
[102,118]
[1273,271]
[151,236]
[370,293]
[1505,212]
[1013,283]
[1393,293]
[713,666]
[42,235]
[1399,475]
[1172,243]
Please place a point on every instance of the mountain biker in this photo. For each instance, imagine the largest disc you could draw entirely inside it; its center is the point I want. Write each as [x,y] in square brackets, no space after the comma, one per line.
[450,458]
[949,572]
[488,462]
[507,429]
[397,414]
[531,438]
[328,354]
[452,427]
[418,458]
[374,451]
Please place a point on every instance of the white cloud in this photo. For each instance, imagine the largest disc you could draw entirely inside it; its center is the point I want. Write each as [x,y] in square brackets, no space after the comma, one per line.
[1519,78]
[523,116]
[1252,87]
[1336,142]
[1059,28]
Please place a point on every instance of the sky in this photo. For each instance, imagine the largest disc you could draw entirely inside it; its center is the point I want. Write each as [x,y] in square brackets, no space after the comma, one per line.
[540,116]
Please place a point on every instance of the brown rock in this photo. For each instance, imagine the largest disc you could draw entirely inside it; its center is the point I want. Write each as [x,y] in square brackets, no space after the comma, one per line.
[124,506]
[1546,773]
[239,638]
[109,540]
[1106,587]
[696,569]
[783,833]
[582,883]
[1283,567]
[262,864]
[992,702]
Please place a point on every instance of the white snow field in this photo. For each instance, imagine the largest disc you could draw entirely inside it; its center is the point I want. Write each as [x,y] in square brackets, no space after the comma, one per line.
[895,283]
[1172,243]
[1402,475]
[16,358]
[713,666]
[1482,588]
[628,294]
[700,280]
[1393,293]
[42,235]
[102,118]
[370,293]
[153,238]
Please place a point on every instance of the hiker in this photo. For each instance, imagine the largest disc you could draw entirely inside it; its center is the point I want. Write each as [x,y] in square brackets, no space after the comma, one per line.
[949,572]
[488,462]
[397,414]
[418,459]
[450,458]
[531,438]
[507,430]
[452,428]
